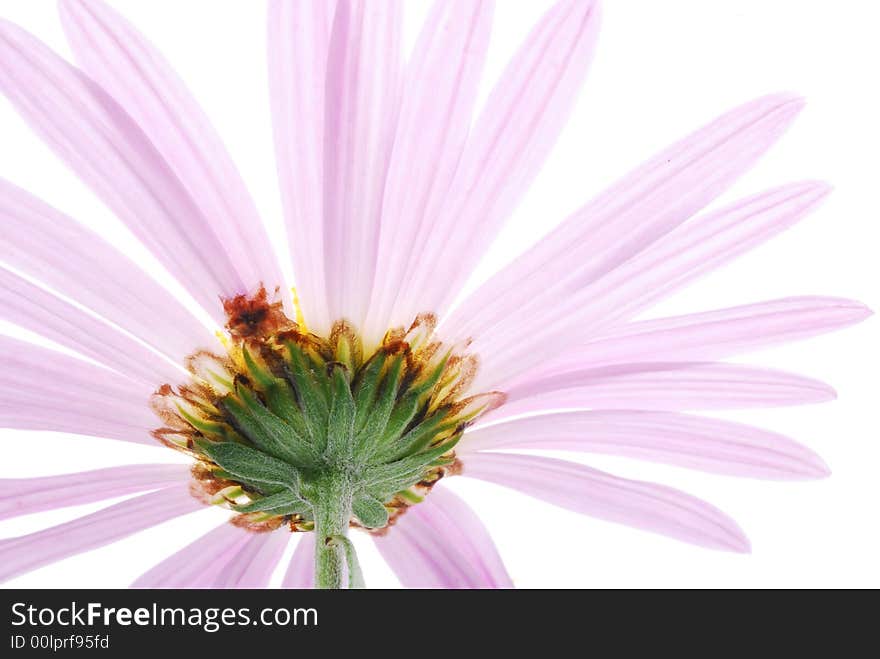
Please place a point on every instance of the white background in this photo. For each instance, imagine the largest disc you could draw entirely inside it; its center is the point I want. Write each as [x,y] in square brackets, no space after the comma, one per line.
[662,69]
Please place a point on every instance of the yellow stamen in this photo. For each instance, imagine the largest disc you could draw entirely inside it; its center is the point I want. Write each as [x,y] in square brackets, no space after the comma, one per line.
[300,318]
[223,337]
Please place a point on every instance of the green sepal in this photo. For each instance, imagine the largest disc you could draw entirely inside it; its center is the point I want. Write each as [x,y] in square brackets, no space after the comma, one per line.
[410,496]
[371,434]
[417,439]
[268,432]
[366,387]
[261,376]
[340,424]
[384,481]
[282,402]
[347,349]
[431,381]
[312,392]
[371,512]
[208,428]
[402,415]
[250,466]
[282,503]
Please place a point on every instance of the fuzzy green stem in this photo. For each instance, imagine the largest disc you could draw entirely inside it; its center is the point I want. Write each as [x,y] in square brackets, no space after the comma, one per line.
[332,514]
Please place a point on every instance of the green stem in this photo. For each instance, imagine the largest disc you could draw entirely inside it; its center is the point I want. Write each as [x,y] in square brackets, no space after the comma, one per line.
[332,514]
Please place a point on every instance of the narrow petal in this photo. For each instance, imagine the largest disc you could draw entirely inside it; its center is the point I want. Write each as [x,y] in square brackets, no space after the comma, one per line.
[299,41]
[301,571]
[439,94]
[715,334]
[360,113]
[522,119]
[629,216]
[689,251]
[106,148]
[29,552]
[441,543]
[253,565]
[645,506]
[197,564]
[23,496]
[663,386]
[43,389]
[42,243]
[678,439]
[39,311]
[138,77]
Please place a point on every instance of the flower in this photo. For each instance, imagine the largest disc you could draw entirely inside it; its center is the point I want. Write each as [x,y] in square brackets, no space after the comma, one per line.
[347,403]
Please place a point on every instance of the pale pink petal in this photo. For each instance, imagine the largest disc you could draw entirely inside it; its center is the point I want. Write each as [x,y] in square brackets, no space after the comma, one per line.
[42,389]
[22,496]
[41,312]
[693,249]
[441,543]
[301,571]
[663,386]
[714,334]
[29,552]
[138,77]
[517,129]
[199,563]
[50,247]
[439,93]
[645,506]
[253,565]
[630,215]
[362,97]
[73,420]
[106,148]
[299,41]
[678,439]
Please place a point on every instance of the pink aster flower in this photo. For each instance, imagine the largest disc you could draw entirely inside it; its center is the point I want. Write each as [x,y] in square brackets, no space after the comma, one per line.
[345,405]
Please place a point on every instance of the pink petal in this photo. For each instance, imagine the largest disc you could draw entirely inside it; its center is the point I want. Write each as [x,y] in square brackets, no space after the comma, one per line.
[716,334]
[299,41]
[42,312]
[693,249]
[301,571]
[139,78]
[199,563]
[517,129]
[363,83]
[441,543]
[662,386]
[590,492]
[29,552]
[107,149]
[439,94]
[253,565]
[678,439]
[22,496]
[630,215]
[44,390]
[42,243]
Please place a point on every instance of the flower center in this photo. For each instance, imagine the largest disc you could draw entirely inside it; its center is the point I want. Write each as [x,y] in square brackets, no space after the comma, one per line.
[291,429]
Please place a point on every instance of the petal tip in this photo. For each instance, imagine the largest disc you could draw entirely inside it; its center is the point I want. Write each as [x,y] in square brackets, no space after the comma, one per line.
[820,467]
[827,393]
[788,100]
[812,468]
[861,311]
[740,543]
[809,192]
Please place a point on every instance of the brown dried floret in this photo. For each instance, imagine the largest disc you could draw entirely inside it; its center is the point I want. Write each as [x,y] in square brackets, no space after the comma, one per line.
[254,316]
